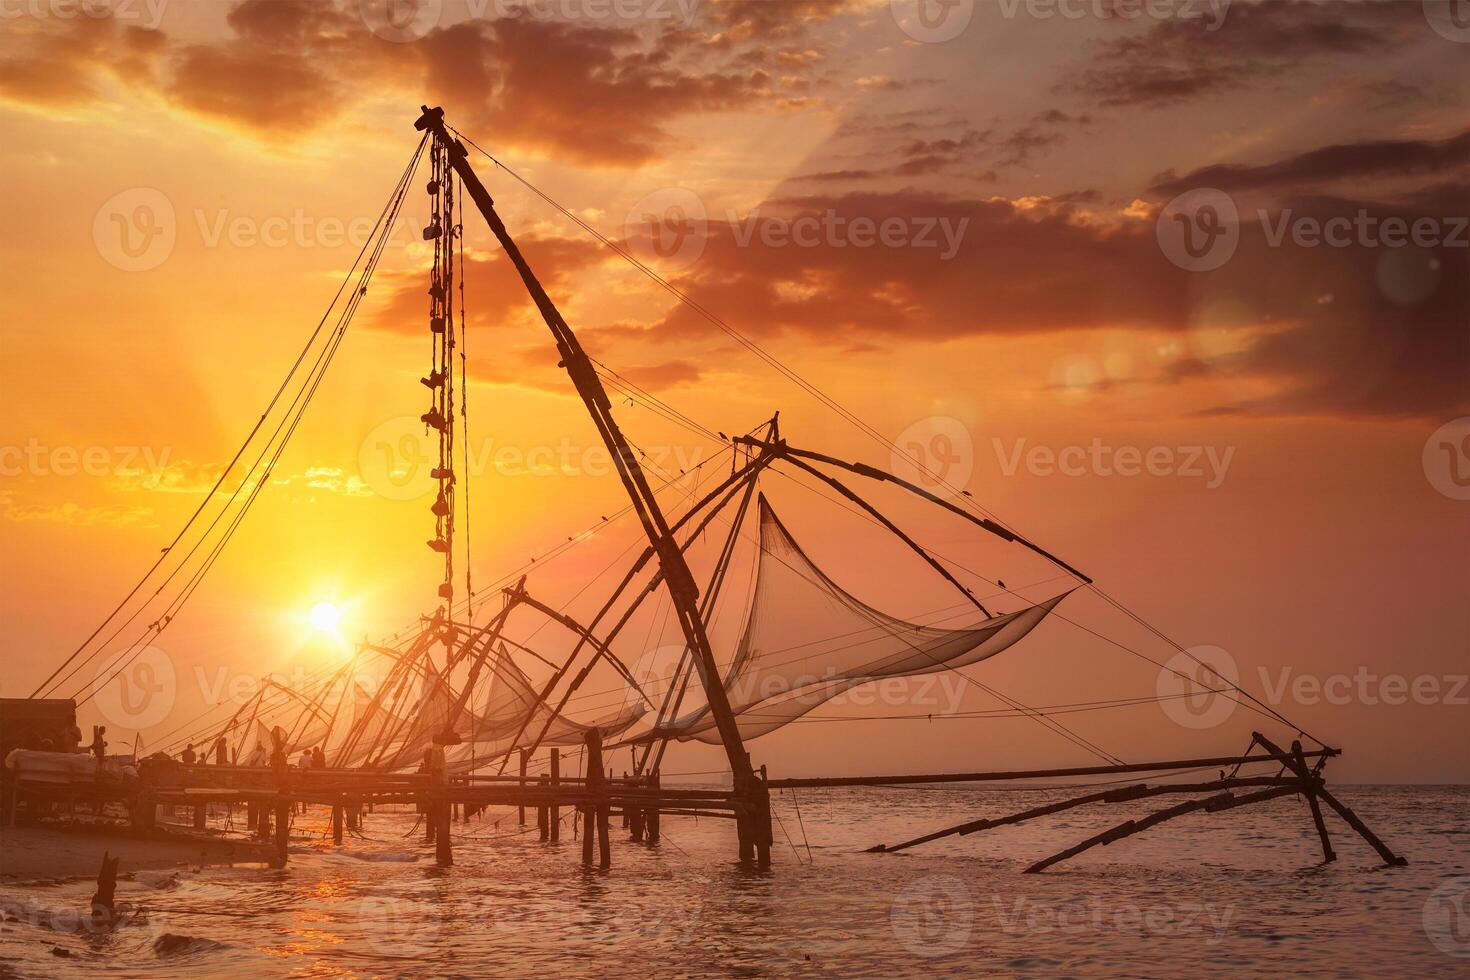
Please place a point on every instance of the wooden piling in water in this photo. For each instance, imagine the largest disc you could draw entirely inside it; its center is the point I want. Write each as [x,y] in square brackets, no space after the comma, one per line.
[521,810]
[595,811]
[439,817]
[554,815]
[283,828]
[651,814]
[337,822]
[542,820]
[201,813]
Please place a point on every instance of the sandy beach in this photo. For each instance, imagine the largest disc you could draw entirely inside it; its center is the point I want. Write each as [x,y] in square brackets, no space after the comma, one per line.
[28,853]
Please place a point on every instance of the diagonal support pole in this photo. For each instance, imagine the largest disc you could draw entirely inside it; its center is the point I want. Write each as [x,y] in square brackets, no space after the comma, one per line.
[1348,816]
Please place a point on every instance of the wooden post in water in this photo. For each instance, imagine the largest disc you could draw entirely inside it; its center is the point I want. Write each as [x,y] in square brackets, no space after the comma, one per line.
[651,814]
[200,813]
[1299,765]
[634,814]
[283,828]
[337,821]
[521,810]
[542,823]
[439,813]
[595,810]
[761,829]
[554,815]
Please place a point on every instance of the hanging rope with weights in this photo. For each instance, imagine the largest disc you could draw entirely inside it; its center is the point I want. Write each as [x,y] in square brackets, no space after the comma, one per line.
[440,417]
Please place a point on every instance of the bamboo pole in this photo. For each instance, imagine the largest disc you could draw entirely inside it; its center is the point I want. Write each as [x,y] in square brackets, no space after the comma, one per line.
[1211,804]
[976,777]
[521,810]
[555,812]
[1120,795]
[1348,816]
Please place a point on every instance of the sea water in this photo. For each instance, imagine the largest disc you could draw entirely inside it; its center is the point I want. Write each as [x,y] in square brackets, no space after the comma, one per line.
[1237,893]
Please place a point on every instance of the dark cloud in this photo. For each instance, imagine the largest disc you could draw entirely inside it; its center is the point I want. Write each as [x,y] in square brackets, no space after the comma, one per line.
[1181,59]
[1392,158]
[590,93]
[1361,330]
[1364,330]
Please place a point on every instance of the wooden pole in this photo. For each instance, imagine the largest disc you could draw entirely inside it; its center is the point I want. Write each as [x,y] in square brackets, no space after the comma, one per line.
[521,810]
[554,816]
[634,816]
[1348,816]
[651,815]
[1211,804]
[594,819]
[975,777]
[200,815]
[1122,794]
[439,813]
[283,828]
[762,821]
[542,820]
[337,822]
[1311,782]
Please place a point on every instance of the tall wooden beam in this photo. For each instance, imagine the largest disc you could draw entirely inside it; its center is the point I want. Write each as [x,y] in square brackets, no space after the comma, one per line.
[677,576]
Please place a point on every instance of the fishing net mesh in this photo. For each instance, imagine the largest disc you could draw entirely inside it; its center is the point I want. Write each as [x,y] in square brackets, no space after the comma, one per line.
[806,640]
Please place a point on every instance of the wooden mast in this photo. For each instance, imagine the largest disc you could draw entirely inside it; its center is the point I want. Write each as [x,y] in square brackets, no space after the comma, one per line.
[682,589]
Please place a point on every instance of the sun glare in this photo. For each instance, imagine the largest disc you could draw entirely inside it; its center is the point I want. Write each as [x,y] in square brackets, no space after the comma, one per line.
[325,617]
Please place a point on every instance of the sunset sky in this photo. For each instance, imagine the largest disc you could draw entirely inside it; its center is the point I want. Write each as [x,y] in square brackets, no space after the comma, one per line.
[186,182]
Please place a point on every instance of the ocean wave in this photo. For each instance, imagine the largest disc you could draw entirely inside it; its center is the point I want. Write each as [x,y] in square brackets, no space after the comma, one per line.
[172,944]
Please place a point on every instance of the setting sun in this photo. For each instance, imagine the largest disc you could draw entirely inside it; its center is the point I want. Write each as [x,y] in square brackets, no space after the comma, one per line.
[325,617]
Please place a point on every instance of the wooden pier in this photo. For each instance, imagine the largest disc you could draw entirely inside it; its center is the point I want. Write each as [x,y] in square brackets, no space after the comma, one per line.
[270,795]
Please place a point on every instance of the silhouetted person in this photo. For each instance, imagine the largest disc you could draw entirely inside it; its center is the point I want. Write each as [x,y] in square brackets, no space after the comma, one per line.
[259,758]
[318,758]
[188,756]
[221,752]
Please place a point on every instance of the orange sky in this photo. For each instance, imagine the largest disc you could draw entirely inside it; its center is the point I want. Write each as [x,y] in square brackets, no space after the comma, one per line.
[1301,516]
